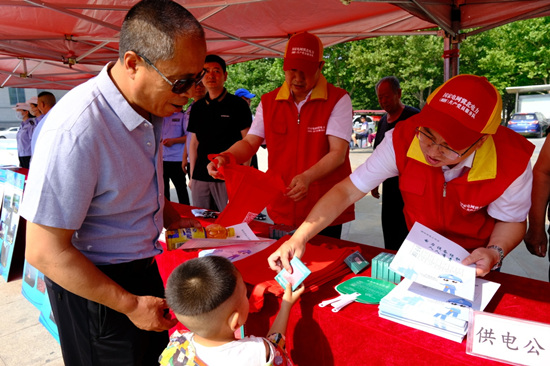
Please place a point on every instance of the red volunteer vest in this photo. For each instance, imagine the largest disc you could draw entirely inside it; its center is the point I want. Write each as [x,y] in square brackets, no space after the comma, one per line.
[458,209]
[297,141]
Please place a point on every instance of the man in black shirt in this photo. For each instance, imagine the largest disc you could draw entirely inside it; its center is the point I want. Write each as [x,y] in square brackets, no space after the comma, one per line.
[216,122]
[394,226]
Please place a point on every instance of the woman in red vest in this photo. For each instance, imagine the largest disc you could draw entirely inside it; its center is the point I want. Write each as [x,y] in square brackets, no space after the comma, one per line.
[461,174]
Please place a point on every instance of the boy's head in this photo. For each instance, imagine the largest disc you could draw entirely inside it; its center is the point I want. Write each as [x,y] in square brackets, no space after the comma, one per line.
[208,296]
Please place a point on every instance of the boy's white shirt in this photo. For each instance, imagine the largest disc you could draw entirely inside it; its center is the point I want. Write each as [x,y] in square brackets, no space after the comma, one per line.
[247,351]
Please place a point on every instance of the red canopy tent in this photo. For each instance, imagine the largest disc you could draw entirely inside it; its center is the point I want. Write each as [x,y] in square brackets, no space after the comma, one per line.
[58,44]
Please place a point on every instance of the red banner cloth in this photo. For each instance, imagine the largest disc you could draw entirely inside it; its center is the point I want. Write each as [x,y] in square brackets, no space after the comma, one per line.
[325,261]
[356,335]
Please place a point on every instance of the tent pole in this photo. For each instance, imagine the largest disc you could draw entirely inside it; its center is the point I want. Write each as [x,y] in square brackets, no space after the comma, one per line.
[451,57]
[451,45]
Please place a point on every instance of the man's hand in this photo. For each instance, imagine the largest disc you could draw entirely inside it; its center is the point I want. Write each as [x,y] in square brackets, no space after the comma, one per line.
[168,142]
[151,314]
[213,167]
[536,241]
[484,259]
[281,257]
[375,193]
[298,188]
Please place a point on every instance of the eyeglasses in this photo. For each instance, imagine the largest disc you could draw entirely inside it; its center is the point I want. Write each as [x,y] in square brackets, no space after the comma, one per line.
[446,151]
[181,85]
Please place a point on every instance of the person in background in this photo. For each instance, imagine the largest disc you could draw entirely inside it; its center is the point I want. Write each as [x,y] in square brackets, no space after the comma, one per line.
[394,226]
[94,201]
[208,296]
[535,239]
[461,174]
[360,133]
[46,101]
[196,93]
[306,127]
[247,96]
[174,140]
[216,122]
[35,111]
[24,134]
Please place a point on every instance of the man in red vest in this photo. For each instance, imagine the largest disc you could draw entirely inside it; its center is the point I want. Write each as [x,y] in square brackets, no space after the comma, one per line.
[306,124]
[460,173]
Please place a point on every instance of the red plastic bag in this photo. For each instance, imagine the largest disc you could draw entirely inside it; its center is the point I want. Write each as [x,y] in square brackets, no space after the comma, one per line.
[249,191]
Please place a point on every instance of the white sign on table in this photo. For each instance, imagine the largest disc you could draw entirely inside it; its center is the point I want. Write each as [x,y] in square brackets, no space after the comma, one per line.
[510,340]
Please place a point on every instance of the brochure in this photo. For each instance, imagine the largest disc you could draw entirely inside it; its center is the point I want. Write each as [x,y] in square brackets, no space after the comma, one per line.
[434,261]
[433,311]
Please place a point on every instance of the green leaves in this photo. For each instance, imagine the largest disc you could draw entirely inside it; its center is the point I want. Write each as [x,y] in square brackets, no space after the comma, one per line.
[515,54]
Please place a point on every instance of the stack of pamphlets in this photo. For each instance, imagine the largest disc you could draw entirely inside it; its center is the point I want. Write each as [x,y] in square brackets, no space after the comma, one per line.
[438,292]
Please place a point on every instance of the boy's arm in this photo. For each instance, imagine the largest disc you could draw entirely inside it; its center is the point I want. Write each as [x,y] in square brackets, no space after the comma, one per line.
[289,298]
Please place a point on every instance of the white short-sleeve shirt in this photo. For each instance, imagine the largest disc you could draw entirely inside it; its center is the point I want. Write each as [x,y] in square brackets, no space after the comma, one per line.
[339,123]
[512,206]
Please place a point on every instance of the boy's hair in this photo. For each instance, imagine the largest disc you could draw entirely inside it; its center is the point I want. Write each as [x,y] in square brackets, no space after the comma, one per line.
[200,285]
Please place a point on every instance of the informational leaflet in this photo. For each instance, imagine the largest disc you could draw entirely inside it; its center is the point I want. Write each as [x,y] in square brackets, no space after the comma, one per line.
[435,311]
[432,260]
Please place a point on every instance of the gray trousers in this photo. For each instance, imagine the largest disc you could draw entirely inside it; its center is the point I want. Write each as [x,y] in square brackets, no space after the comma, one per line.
[209,195]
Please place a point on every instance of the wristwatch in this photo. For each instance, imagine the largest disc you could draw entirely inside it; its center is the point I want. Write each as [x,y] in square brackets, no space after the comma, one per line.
[501,256]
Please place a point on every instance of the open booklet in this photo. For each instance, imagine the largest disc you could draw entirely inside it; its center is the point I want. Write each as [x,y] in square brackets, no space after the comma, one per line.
[434,261]
[438,292]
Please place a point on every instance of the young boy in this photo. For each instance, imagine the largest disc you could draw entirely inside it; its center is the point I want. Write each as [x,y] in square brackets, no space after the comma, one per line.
[208,296]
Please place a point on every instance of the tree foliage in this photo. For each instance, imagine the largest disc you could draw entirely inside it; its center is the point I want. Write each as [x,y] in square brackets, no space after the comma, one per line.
[516,54]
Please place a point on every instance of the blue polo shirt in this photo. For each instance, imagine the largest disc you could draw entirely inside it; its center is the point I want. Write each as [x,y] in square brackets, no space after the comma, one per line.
[97,170]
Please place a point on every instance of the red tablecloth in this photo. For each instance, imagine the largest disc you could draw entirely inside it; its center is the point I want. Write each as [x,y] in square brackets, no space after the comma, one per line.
[357,336]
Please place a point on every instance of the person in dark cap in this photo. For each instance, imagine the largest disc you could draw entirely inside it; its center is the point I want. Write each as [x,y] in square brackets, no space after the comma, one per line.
[461,174]
[242,92]
[306,127]
[247,97]
[245,94]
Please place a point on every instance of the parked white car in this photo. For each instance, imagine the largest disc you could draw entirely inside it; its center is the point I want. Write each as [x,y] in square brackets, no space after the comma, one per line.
[9,133]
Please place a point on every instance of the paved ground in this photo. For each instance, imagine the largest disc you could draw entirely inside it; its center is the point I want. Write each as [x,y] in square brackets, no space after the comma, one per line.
[25,342]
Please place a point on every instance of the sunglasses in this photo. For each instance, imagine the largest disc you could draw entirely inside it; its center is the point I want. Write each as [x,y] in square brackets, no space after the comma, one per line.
[181,85]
